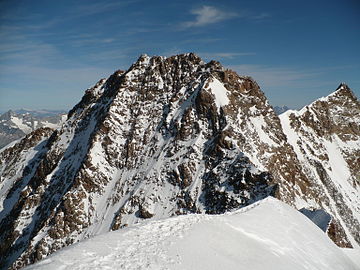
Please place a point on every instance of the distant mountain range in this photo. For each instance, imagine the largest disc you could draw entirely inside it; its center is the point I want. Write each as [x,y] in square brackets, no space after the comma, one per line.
[16,124]
[174,136]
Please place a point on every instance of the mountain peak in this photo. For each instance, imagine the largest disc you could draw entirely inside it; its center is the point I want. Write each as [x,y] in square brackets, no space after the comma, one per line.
[7,115]
[170,136]
[280,109]
[342,85]
[342,96]
[336,114]
[187,59]
[10,112]
[342,91]
[143,58]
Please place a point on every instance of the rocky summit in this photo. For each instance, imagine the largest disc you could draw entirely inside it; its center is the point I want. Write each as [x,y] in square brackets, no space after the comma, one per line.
[172,136]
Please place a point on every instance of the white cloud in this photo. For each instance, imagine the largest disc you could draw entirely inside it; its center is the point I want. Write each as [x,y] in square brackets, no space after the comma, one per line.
[20,51]
[206,15]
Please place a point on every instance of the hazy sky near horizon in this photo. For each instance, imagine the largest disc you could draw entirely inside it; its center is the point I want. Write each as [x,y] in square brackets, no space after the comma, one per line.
[51,51]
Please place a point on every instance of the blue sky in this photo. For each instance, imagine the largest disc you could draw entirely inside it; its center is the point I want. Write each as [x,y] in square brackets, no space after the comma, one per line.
[51,51]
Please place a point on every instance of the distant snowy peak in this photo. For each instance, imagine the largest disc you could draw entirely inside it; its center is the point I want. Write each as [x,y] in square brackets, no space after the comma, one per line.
[281,109]
[40,113]
[15,124]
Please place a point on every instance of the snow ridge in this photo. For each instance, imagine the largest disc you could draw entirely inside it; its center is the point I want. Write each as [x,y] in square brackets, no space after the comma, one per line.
[283,237]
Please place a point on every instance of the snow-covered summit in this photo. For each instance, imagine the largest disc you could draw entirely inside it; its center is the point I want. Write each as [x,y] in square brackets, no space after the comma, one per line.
[341,94]
[342,91]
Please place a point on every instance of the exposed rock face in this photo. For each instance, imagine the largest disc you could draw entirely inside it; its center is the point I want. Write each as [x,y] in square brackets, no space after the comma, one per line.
[326,138]
[169,136]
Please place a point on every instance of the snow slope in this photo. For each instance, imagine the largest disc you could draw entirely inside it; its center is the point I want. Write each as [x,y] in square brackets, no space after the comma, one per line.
[266,235]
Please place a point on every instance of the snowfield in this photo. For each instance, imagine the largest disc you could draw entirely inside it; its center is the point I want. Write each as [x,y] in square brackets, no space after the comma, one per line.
[266,235]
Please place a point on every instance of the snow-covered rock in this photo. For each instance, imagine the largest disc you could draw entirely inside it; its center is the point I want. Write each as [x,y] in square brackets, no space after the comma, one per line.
[169,136]
[326,139]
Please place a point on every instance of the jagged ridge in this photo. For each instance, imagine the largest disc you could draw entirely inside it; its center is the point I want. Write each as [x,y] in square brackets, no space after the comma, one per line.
[326,138]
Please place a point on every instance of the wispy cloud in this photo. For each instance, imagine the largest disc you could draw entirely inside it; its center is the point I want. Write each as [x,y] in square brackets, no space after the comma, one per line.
[206,15]
[28,23]
[275,76]
[75,75]
[227,55]
[23,51]
[294,86]
[172,51]
[201,40]
[36,22]
[101,7]
[261,16]
[288,76]
[49,87]
[82,41]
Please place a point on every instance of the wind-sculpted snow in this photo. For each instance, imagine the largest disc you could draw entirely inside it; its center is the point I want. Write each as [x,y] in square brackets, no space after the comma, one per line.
[266,235]
[169,136]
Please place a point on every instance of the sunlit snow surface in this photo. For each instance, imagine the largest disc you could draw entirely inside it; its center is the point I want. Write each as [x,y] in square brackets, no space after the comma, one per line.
[220,92]
[265,235]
